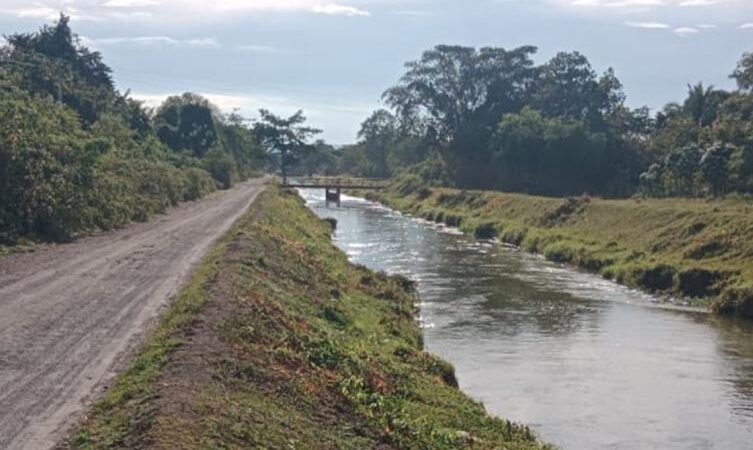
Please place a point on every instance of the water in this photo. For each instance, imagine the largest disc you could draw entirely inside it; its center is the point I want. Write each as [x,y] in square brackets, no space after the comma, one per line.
[587,363]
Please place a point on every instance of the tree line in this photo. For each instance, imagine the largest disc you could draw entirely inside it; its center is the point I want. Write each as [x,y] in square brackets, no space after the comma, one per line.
[491,118]
[77,155]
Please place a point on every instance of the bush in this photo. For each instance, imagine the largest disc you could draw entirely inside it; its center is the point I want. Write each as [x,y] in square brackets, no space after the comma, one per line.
[486,231]
[657,278]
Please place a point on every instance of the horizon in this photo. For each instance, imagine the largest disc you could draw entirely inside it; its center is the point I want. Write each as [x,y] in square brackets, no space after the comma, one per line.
[289,55]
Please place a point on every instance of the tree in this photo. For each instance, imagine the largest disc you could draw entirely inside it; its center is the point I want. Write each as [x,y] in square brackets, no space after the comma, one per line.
[743,73]
[187,122]
[703,104]
[715,168]
[568,88]
[285,137]
[681,168]
[549,156]
[51,63]
[651,183]
[454,88]
[378,136]
[320,159]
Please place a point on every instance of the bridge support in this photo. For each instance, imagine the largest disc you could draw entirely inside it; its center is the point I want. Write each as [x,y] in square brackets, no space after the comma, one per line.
[332,194]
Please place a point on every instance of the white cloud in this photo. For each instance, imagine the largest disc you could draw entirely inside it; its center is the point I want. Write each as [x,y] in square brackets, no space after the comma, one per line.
[339,10]
[642,3]
[130,3]
[685,31]
[174,10]
[746,26]
[155,40]
[648,25]
[637,6]
[37,12]
[253,48]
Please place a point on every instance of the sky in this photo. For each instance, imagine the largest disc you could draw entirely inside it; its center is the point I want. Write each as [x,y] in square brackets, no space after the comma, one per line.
[334,58]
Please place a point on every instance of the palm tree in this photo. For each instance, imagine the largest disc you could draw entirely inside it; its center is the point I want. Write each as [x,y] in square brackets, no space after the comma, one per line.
[703,104]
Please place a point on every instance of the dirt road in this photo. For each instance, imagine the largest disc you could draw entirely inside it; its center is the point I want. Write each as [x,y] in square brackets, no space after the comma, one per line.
[71,314]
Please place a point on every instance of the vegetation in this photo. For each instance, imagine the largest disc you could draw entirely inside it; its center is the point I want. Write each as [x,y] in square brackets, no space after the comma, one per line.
[695,249]
[498,121]
[280,343]
[285,137]
[76,155]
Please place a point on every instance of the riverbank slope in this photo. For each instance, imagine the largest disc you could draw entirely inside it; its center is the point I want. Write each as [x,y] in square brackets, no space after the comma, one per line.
[697,249]
[279,342]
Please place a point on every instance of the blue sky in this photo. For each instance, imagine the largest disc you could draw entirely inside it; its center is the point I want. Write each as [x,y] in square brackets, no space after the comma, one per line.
[334,58]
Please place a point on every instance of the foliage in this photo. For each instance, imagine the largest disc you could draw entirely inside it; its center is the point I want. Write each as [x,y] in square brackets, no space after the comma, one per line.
[285,137]
[743,74]
[76,155]
[501,122]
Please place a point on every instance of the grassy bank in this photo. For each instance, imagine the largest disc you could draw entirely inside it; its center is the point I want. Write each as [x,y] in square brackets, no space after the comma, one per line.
[697,249]
[278,342]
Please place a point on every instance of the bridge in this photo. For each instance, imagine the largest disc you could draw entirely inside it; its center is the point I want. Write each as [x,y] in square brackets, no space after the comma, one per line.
[334,186]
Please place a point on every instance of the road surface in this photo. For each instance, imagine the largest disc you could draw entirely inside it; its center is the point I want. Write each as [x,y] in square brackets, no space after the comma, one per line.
[70,315]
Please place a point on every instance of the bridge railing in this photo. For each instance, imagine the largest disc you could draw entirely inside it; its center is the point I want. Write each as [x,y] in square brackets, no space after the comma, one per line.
[337,182]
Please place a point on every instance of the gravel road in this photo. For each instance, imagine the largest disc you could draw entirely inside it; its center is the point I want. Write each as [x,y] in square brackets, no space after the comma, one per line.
[70,315]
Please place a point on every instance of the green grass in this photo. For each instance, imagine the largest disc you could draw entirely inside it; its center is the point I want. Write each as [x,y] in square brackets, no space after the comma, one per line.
[279,342]
[701,250]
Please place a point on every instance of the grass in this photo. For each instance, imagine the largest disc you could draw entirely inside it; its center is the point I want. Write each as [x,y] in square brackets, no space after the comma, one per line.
[279,342]
[700,250]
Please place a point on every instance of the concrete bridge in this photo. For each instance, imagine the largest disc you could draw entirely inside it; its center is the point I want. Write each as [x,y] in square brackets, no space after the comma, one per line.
[333,186]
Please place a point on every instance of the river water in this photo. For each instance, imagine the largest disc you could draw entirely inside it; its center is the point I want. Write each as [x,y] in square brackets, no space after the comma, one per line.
[585,362]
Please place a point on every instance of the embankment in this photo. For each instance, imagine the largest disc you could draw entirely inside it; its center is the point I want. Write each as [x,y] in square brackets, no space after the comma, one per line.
[279,342]
[695,249]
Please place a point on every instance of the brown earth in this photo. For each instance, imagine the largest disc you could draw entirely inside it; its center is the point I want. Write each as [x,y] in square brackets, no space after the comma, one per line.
[70,315]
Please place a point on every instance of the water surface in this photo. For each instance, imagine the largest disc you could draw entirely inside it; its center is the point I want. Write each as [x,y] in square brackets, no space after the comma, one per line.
[587,363]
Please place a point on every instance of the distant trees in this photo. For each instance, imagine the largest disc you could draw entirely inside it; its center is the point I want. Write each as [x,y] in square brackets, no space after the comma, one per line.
[285,137]
[502,122]
[548,155]
[496,120]
[187,122]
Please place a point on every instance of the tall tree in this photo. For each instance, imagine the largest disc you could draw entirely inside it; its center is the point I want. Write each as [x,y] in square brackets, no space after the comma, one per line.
[50,62]
[703,104]
[285,137]
[187,122]
[743,74]
[378,135]
[454,88]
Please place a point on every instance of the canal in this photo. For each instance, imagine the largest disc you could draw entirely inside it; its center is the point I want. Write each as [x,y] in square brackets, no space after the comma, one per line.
[587,363]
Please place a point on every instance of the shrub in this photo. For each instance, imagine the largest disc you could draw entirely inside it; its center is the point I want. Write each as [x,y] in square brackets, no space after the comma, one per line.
[485,231]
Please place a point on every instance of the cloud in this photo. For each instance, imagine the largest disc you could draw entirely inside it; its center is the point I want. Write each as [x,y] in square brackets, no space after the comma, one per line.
[175,10]
[130,3]
[253,48]
[648,25]
[685,31]
[37,12]
[642,3]
[746,26]
[155,40]
[339,10]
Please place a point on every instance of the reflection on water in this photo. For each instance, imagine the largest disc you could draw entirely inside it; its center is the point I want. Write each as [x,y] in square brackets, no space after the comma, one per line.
[587,363]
